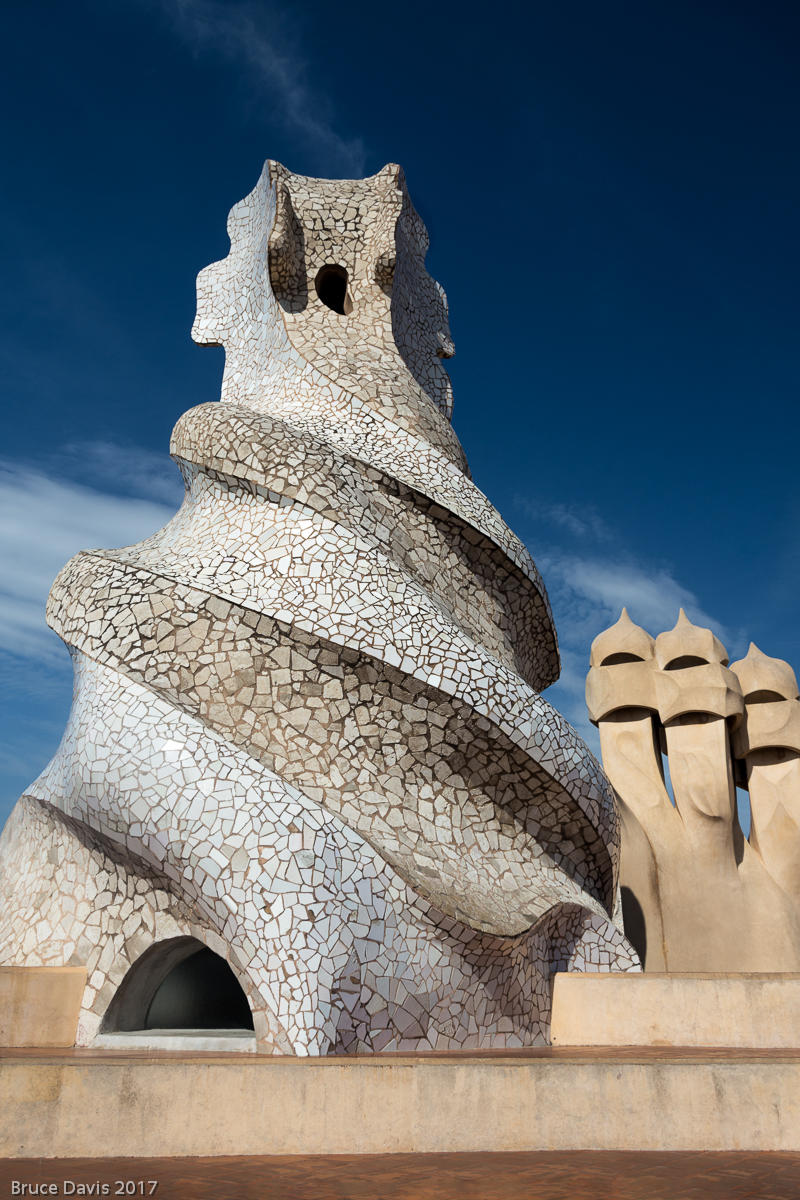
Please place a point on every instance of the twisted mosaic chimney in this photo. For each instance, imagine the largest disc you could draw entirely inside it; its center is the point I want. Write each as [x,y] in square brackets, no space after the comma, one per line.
[306,728]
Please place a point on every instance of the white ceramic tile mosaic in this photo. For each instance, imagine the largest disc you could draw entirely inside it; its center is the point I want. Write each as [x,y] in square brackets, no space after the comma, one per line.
[306,727]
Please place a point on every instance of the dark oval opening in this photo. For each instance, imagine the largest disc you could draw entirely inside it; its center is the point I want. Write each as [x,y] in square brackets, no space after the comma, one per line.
[686,660]
[613,660]
[331,287]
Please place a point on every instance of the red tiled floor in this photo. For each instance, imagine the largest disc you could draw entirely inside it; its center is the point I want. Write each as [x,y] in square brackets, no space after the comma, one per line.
[580,1175]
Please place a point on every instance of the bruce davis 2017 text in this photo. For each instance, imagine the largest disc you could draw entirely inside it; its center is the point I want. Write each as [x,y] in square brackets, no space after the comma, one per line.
[69,1187]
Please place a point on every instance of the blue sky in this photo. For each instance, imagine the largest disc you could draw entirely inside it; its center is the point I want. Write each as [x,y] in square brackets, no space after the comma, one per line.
[612,196]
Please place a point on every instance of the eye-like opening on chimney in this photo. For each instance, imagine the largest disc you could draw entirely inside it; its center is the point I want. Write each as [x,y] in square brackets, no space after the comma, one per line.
[331,287]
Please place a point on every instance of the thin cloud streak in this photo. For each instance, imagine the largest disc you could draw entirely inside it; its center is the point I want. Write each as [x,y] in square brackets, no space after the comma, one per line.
[237,32]
[596,590]
[587,595]
[588,590]
[43,522]
[579,522]
[145,474]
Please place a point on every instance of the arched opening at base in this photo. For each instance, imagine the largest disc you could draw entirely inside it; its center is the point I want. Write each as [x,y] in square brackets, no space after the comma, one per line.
[178,984]
[201,992]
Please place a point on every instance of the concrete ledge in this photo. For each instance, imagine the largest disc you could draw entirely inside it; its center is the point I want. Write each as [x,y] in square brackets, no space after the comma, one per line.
[226,1041]
[102,1104]
[39,1006]
[676,1010]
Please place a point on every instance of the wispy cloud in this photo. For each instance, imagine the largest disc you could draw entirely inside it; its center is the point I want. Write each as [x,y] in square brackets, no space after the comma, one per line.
[594,590]
[250,36]
[587,595]
[580,522]
[43,522]
[145,474]
[589,588]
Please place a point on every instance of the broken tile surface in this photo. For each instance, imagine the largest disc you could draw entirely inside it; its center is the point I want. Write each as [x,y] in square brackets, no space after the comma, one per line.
[307,728]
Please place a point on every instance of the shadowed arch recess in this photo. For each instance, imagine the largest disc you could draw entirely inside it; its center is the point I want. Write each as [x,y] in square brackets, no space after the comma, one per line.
[178,983]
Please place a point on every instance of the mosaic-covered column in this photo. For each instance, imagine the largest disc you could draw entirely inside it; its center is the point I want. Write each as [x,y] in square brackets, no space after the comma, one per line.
[307,728]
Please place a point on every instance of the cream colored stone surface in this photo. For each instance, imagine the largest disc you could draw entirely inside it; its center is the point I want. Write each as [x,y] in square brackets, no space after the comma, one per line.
[185,1041]
[697,895]
[655,1009]
[378,1105]
[39,1006]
